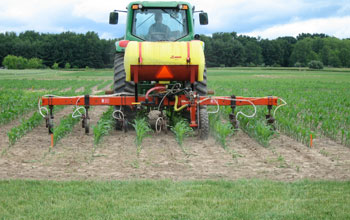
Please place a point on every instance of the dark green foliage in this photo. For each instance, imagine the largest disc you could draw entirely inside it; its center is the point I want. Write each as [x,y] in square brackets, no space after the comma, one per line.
[230,49]
[222,49]
[315,64]
[79,50]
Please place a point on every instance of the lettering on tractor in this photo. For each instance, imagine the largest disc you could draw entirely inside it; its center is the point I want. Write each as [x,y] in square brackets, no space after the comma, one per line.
[159,68]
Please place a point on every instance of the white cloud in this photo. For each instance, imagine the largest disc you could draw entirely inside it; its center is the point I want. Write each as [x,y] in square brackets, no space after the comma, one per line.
[335,26]
[97,11]
[269,16]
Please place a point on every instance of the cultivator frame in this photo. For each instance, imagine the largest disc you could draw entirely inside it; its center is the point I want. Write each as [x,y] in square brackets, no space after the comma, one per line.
[175,99]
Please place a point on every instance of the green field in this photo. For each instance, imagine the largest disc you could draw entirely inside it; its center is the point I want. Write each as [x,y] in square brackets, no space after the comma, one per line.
[243,199]
[318,105]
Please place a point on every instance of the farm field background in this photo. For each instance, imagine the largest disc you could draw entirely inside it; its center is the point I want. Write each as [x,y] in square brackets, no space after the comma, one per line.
[318,105]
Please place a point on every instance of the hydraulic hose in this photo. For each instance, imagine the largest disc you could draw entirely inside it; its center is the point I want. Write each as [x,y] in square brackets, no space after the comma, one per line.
[153,89]
[175,106]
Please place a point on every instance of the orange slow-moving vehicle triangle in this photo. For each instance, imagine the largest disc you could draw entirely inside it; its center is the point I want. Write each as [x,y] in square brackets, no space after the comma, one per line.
[164,73]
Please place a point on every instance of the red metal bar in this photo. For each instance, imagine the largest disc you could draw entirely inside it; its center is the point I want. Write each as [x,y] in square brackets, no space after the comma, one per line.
[193,111]
[129,100]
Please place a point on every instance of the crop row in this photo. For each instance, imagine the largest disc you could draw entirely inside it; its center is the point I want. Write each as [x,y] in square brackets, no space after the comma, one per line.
[318,105]
[49,85]
[16,103]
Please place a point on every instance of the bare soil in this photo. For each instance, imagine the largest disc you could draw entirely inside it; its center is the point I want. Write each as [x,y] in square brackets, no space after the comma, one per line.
[76,158]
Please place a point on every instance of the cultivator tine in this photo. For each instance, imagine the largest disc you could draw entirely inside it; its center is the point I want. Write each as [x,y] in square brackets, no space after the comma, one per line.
[49,120]
[232,116]
[269,118]
[85,123]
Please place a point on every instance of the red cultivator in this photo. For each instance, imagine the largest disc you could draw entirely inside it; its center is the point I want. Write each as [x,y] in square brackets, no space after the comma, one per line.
[157,103]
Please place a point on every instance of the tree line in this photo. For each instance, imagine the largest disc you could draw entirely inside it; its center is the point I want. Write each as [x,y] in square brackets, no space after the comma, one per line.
[230,49]
[221,49]
[78,50]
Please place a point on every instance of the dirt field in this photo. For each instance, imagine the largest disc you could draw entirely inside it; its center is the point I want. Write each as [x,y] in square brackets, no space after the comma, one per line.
[74,157]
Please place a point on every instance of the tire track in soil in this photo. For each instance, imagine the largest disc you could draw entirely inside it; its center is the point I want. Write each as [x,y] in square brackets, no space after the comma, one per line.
[304,162]
[115,157]
[160,157]
[251,158]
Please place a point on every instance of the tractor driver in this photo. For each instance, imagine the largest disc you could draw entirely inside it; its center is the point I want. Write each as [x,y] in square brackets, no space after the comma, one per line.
[158,30]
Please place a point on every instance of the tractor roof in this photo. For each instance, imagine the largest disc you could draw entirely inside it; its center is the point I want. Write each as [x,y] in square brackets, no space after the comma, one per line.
[170,4]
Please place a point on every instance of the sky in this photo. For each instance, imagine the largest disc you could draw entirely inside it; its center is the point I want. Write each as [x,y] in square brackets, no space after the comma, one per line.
[259,18]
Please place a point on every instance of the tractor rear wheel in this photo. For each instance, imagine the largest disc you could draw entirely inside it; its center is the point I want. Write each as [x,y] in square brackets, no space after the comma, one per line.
[201,87]
[120,85]
[203,124]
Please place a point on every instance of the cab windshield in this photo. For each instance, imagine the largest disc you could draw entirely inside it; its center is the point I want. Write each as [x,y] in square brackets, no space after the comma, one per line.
[159,24]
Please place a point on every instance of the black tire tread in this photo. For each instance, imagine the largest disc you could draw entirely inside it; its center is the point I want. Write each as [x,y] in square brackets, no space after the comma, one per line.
[204,124]
[120,85]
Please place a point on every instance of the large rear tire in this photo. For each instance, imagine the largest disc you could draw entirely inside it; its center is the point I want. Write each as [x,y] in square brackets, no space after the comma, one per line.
[203,124]
[201,87]
[120,85]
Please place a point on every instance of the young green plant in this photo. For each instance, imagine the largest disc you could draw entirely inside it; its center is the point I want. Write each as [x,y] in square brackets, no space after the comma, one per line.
[103,126]
[222,131]
[181,130]
[142,129]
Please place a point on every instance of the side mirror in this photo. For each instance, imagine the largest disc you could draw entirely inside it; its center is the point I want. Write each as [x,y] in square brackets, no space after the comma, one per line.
[203,18]
[113,18]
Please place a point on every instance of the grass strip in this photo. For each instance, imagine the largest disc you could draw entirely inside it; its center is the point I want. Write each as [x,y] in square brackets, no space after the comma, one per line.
[242,199]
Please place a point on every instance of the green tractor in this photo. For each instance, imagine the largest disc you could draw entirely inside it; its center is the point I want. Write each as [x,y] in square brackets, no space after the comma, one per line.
[157,22]
[159,70]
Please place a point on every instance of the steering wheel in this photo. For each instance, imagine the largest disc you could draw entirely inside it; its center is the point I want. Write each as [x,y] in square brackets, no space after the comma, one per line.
[158,36]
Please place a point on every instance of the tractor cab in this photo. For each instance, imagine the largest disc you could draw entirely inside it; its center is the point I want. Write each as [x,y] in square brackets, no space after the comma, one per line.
[155,24]
[159,21]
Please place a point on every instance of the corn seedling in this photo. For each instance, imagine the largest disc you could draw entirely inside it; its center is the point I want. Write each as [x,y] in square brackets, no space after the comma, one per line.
[222,131]
[17,132]
[103,126]
[65,127]
[142,129]
[181,130]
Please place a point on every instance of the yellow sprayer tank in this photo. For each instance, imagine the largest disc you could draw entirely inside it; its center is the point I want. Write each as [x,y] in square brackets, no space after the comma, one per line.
[157,61]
